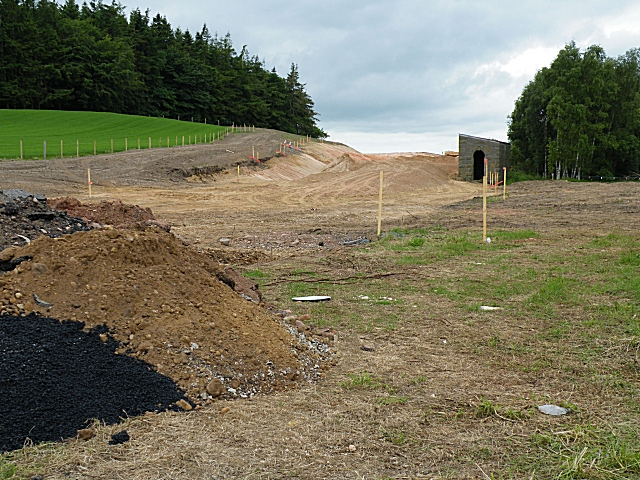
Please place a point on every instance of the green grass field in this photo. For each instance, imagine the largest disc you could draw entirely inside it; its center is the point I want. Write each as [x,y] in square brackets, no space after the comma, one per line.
[79,130]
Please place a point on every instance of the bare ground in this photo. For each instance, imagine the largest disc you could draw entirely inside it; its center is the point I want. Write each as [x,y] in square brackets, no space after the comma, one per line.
[412,407]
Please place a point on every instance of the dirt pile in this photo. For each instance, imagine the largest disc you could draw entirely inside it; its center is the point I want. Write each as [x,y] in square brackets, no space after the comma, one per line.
[345,163]
[25,217]
[113,213]
[55,377]
[164,303]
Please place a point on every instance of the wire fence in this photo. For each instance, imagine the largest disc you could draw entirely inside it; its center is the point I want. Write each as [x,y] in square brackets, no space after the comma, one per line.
[38,149]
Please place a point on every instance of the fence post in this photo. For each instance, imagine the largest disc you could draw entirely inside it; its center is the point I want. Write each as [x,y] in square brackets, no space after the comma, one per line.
[380,206]
[138,144]
[149,142]
[183,140]
[484,201]
[77,148]
[20,149]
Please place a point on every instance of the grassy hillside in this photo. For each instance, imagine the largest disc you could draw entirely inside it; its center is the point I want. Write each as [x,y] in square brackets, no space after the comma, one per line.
[79,130]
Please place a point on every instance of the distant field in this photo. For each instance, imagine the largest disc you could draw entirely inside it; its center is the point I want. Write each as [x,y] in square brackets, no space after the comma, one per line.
[79,130]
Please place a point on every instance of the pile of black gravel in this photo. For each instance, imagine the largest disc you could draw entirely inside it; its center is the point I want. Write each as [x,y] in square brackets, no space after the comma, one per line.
[26,216]
[55,377]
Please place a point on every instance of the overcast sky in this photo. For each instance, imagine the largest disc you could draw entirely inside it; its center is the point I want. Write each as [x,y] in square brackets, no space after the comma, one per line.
[390,76]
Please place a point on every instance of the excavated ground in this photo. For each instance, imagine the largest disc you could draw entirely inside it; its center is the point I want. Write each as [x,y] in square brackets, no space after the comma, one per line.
[163,302]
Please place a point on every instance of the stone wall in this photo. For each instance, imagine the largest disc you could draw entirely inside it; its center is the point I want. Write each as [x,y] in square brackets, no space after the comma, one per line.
[498,154]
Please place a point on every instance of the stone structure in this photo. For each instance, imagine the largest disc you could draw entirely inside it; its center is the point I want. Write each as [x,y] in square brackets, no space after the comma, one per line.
[472,152]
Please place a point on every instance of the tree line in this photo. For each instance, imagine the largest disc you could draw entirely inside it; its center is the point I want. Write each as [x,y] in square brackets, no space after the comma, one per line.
[579,117]
[93,58]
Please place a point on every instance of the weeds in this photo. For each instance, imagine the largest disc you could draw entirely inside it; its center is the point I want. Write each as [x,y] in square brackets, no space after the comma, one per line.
[361,380]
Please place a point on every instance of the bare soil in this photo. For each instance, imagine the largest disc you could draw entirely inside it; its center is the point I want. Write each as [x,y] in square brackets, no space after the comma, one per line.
[432,362]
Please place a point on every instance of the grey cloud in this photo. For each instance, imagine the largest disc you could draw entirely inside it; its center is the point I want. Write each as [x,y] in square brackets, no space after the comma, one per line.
[403,66]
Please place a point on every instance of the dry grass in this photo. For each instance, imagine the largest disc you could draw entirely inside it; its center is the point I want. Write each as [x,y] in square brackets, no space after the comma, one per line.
[449,391]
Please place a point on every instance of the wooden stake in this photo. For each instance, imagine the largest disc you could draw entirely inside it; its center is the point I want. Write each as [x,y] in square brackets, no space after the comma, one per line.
[238,173]
[149,142]
[380,205]
[61,150]
[112,145]
[95,149]
[253,152]
[89,180]
[77,148]
[126,144]
[484,202]
[20,149]
[183,140]
[168,142]
[504,183]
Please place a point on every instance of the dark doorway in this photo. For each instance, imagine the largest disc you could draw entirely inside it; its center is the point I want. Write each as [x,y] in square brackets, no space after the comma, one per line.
[478,165]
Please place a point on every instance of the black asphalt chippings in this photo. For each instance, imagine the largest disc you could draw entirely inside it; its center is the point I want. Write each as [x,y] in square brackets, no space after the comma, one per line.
[55,377]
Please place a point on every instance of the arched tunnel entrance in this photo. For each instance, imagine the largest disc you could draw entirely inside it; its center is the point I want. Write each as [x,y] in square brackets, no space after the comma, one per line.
[478,164]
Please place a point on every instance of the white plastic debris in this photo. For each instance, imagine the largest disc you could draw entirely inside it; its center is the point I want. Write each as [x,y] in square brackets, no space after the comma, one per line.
[486,308]
[554,410]
[312,298]
[488,240]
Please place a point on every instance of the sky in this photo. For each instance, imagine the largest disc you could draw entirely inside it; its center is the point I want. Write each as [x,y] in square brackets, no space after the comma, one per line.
[410,75]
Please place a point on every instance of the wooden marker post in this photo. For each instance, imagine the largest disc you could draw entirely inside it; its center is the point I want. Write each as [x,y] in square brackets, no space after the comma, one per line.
[89,180]
[112,145]
[149,142]
[380,206]
[138,144]
[77,148]
[484,202]
[168,142]
[61,150]
[183,140]
[95,148]
[253,152]
[504,183]
[238,173]
[20,149]
[126,144]
[45,149]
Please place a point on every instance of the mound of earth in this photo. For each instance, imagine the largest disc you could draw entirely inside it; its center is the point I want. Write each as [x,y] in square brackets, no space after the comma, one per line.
[56,377]
[345,163]
[25,217]
[113,213]
[164,303]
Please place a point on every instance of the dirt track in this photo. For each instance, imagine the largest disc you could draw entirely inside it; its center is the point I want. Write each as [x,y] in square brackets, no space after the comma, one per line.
[439,360]
[287,196]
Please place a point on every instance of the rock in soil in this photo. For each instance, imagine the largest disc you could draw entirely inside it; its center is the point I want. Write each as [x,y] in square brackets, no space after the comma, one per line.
[119,438]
